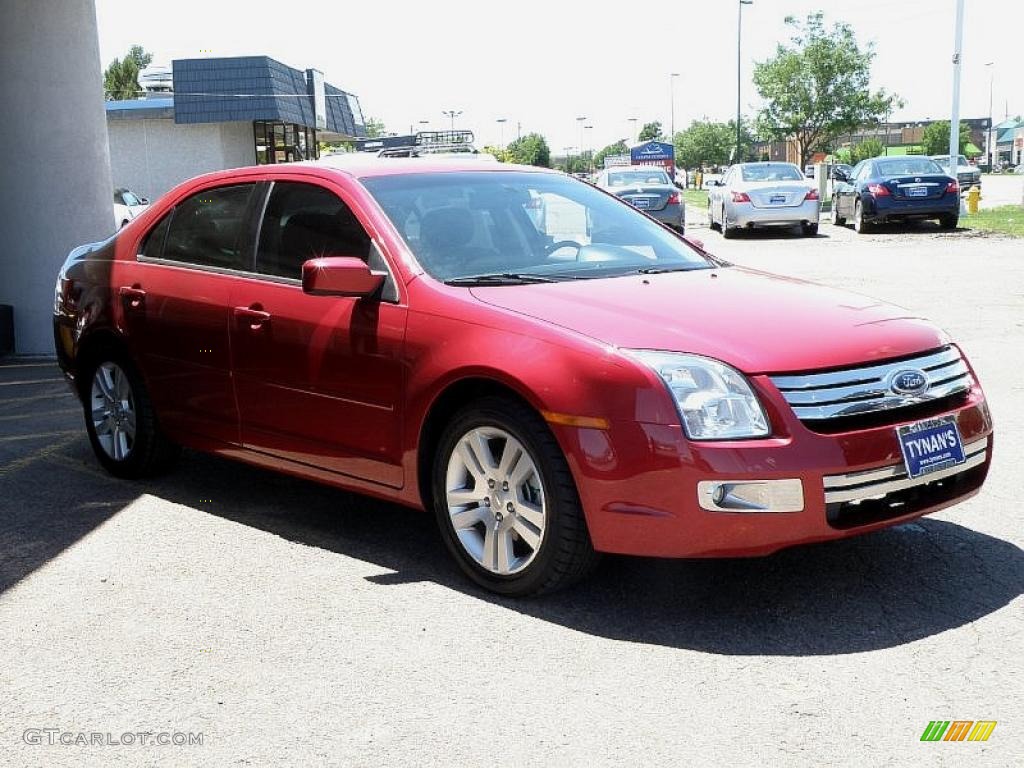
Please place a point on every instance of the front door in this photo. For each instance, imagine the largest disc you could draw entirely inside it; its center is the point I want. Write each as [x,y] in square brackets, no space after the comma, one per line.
[318,378]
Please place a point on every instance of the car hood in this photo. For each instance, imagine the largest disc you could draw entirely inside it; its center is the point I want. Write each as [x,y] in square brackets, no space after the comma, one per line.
[757,322]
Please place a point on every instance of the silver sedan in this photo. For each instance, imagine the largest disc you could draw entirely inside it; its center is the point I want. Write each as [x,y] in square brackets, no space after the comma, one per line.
[763,195]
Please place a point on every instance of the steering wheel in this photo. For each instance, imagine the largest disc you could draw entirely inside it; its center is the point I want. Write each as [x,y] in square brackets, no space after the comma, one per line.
[559,244]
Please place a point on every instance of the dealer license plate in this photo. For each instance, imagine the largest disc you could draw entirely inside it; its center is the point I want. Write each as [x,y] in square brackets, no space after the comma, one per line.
[776,199]
[917,191]
[930,446]
[641,202]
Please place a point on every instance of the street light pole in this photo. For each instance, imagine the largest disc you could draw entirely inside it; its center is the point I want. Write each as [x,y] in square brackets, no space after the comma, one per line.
[672,114]
[590,155]
[739,70]
[580,121]
[633,121]
[451,113]
[501,132]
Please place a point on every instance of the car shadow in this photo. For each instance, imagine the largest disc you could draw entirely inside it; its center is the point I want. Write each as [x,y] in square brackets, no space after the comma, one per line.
[777,233]
[867,593]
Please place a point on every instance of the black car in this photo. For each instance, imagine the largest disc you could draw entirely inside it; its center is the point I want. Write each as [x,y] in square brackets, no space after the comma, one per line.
[902,188]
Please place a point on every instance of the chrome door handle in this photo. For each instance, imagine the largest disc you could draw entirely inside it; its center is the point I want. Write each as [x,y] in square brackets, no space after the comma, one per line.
[132,296]
[254,316]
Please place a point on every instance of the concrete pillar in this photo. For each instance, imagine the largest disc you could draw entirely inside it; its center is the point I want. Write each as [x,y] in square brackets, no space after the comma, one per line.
[55,188]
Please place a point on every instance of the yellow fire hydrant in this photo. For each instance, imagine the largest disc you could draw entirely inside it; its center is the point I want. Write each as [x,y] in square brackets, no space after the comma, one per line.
[973,196]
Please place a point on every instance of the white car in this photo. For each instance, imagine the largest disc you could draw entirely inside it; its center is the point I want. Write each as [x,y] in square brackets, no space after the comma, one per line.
[767,194]
[127,205]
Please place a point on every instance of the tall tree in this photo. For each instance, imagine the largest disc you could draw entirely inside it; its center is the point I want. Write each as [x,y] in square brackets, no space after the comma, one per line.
[818,87]
[121,78]
[531,149]
[936,138]
[704,143]
[651,132]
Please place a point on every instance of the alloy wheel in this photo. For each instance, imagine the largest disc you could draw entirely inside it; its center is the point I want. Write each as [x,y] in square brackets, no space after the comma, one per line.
[112,408]
[495,499]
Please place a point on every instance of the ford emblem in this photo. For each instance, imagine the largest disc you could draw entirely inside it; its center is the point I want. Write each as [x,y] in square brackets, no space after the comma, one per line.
[909,381]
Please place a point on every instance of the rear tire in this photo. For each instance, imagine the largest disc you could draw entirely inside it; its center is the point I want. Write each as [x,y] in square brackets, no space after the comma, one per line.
[949,222]
[809,230]
[518,526]
[837,220]
[120,420]
[727,232]
[860,226]
[711,219]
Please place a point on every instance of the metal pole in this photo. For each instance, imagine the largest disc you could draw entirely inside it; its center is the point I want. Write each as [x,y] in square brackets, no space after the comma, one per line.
[739,70]
[954,120]
[672,115]
[991,154]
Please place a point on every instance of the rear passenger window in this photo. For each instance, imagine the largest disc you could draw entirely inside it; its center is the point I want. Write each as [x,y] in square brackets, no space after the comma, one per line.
[302,222]
[206,229]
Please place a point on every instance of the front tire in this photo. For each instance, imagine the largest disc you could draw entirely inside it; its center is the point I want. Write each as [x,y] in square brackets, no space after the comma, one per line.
[119,417]
[506,503]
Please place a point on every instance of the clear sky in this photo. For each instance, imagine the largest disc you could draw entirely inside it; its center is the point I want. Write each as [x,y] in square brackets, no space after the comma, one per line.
[543,64]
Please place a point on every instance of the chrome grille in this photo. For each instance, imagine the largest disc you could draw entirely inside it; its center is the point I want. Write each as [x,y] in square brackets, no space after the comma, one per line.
[877,483]
[857,391]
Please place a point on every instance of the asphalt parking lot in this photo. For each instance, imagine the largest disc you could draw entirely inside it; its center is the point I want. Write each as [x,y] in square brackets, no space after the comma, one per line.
[288,623]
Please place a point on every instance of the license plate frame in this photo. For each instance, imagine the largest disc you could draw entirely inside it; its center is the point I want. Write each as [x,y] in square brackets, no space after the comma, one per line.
[930,445]
[777,200]
[917,191]
[641,202]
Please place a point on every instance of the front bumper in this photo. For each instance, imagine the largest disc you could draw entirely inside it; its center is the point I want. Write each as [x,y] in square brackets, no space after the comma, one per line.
[641,484]
[748,215]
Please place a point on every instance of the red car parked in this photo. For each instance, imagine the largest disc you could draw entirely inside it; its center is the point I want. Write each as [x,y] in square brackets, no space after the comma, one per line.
[550,387]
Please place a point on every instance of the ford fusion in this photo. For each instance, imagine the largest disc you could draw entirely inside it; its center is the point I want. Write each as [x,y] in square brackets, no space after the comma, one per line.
[549,387]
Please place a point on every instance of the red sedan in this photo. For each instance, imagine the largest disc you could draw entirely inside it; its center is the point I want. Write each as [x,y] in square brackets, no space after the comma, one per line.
[550,387]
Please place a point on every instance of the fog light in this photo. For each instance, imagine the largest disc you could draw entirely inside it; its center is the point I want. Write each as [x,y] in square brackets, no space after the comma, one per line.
[751,495]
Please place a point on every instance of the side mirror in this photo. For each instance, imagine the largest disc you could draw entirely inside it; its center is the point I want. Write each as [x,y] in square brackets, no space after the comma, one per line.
[144,200]
[340,276]
[838,174]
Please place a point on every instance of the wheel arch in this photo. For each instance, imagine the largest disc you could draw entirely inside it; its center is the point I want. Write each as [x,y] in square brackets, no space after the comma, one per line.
[450,398]
[98,342]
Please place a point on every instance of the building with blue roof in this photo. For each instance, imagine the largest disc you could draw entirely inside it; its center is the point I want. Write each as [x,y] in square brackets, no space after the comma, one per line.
[225,113]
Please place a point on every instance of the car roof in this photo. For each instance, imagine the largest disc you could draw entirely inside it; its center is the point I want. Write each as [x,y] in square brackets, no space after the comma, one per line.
[364,165]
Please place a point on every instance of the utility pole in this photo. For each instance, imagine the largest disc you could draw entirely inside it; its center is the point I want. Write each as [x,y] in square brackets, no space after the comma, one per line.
[590,154]
[954,120]
[988,144]
[739,71]
[580,121]
[633,121]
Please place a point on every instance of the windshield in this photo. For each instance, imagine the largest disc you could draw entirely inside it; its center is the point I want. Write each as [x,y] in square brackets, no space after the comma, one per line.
[904,166]
[514,224]
[771,172]
[629,178]
[944,159]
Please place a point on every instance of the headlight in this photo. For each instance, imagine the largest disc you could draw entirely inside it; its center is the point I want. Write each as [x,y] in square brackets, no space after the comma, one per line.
[715,401]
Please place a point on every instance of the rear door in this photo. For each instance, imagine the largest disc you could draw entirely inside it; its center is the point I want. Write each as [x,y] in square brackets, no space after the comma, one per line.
[318,378]
[177,313]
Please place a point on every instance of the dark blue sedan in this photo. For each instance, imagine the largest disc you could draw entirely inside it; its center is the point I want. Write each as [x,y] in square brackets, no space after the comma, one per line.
[903,188]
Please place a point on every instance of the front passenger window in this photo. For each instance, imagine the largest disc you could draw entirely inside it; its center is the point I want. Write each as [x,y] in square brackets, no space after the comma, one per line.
[303,222]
